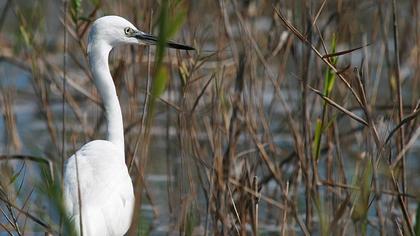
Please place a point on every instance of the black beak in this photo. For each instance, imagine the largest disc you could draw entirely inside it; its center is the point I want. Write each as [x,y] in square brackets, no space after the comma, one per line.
[152,40]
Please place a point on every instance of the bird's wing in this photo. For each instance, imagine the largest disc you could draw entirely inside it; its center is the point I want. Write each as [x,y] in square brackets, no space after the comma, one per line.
[106,191]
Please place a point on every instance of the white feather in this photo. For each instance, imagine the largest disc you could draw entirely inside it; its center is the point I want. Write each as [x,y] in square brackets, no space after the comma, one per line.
[106,190]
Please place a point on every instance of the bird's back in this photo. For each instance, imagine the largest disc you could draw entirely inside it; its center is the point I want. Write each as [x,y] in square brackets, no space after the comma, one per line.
[106,191]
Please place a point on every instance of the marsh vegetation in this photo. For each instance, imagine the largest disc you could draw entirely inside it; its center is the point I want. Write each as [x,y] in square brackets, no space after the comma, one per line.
[290,118]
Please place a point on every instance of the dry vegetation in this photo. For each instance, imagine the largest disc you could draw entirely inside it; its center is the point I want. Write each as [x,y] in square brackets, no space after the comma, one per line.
[291,118]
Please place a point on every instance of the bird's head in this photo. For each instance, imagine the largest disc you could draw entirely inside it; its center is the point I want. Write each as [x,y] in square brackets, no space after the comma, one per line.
[115,31]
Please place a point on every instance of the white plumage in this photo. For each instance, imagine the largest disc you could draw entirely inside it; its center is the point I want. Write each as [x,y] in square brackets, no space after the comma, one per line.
[101,175]
[105,189]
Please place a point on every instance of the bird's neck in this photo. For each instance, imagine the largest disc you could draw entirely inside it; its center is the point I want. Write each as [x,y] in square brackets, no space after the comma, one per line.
[98,59]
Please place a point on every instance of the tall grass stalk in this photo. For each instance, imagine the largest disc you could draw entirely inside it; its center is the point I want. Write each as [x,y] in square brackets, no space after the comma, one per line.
[294,118]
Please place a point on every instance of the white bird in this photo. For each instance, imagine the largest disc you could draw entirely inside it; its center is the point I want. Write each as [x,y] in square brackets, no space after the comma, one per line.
[101,180]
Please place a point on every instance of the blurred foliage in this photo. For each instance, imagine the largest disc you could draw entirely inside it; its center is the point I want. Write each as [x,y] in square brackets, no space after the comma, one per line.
[328,86]
[188,143]
[169,24]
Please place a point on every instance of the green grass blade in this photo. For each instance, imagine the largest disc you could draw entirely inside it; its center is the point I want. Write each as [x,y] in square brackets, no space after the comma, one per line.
[330,74]
[316,147]
[328,86]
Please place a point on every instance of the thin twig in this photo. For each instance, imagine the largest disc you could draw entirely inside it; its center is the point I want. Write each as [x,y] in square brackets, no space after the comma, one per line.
[63,141]
[401,140]
[344,110]
[306,41]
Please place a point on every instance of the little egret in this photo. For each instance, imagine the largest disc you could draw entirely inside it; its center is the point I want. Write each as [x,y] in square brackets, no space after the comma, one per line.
[96,174]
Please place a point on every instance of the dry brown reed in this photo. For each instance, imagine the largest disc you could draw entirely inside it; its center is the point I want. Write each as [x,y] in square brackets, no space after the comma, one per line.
[291,118]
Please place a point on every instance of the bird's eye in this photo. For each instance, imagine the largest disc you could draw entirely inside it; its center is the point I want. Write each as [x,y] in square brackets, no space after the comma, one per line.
[128,30]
